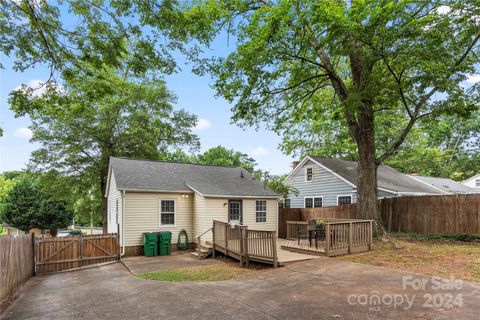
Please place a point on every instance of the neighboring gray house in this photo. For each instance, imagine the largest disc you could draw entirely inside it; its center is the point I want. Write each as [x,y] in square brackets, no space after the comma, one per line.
[150,196]
[473,182]
[447,186]
[322,182]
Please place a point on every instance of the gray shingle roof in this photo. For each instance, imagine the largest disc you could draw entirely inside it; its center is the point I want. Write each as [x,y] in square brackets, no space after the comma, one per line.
[131,174]
[447,185]
[387,177]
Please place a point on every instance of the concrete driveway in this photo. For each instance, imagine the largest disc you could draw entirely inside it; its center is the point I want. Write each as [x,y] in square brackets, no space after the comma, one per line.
[323,288]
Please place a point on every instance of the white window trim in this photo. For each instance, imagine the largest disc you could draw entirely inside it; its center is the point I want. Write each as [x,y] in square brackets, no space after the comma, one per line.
[266,211]
[313,201]
[306,168]
[345,195]
[117,209]
[160,225]
[283,201]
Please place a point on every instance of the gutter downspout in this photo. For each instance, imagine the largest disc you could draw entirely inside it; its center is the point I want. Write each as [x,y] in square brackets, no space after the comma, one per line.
[122,235]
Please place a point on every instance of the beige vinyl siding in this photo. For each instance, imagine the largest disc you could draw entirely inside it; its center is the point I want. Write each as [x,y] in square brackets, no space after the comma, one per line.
[113,195]
[142,214]
[215,209]
[198,216]
[249,215]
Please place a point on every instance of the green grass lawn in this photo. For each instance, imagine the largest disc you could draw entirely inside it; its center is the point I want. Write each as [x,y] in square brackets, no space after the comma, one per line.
[433,257]
[204,273]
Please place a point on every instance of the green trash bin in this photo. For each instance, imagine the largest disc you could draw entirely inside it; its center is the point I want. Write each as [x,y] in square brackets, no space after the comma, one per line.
[150,244]
[164,243]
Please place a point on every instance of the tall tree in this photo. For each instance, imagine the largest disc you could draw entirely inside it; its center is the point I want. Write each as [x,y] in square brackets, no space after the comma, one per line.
[378,57]
[97,114]
[65,33]
[227,157]
[28,206]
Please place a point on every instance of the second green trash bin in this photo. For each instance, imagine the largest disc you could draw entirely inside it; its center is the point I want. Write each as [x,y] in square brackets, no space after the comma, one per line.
[164,243]
[150,244]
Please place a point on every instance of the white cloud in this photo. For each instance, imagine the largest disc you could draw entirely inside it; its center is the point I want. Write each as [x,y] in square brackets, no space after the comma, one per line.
[473,78]
[23,133]
[443,9]
[259,151]
[202,124]
[37,85]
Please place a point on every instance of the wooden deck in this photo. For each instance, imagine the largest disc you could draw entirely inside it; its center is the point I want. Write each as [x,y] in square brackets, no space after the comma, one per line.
[287,256]
[303,248]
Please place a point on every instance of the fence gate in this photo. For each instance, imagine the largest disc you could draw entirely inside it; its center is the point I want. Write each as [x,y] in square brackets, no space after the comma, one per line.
[58,254]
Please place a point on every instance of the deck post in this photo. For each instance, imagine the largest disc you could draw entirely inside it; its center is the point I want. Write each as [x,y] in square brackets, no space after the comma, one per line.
[247,257]
[241,245]
[327,238]
[213,240]
[350,237]
[370,236]
[274,244]
[226,238]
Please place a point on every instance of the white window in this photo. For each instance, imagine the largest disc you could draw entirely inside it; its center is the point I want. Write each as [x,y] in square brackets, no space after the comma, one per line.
[477,183]
[309,174]
[313,202]
[167,212]
[286,203]
[344,200]
[261,210]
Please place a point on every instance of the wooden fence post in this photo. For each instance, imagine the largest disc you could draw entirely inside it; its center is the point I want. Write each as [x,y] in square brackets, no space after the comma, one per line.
[33,253]
[247,257]
[328,235]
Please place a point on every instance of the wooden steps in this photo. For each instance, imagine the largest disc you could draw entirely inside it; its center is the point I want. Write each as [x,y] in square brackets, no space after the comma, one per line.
[203,250]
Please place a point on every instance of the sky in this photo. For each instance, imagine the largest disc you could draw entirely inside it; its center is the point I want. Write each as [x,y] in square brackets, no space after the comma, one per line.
[194,94]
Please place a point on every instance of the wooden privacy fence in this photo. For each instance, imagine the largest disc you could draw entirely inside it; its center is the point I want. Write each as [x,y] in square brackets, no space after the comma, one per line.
[450,214]
[341,236]
[243,244]
[58,254]
[16,263]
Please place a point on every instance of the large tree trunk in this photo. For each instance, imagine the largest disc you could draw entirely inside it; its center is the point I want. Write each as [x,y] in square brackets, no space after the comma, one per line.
[367,168]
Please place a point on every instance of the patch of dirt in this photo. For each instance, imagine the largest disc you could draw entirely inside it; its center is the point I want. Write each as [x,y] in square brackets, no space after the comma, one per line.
[442,258]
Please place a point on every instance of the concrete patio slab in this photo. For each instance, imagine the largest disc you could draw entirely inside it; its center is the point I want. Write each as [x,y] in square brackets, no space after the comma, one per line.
[322,288]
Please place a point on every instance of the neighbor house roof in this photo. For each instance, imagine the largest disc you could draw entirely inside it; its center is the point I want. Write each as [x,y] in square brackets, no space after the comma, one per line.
[207,180]
[388,179]
[472,177]
[447,185]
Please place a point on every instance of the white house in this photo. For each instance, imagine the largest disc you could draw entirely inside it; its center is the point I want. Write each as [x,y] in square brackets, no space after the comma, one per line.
[473,182]
[150,196]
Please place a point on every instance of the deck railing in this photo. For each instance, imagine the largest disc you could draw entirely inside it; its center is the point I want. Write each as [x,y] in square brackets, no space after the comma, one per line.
[243,244]
[343,236]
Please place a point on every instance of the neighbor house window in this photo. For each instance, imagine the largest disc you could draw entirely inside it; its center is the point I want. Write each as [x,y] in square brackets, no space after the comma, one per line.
[286,203]
[477,183]
[261,210]
[309,174]
[313,202]
[167,212]
[344,200]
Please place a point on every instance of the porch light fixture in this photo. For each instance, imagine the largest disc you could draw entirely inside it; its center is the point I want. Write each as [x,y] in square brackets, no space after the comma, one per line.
[225,204]
[184,195]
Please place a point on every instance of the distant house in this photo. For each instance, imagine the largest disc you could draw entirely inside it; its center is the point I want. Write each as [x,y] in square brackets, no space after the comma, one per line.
[150,196]
[473,182]
[447,186]
[322,182]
